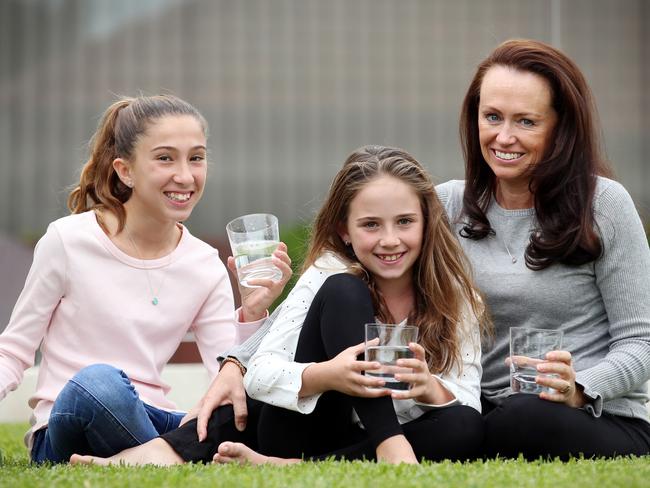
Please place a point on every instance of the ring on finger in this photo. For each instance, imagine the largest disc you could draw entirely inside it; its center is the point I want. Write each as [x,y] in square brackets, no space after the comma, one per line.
[566,389]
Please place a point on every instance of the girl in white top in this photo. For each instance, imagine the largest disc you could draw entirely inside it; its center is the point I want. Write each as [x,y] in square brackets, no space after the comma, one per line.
[381,249]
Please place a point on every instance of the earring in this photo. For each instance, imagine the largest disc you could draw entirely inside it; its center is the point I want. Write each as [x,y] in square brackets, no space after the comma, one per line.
[129,183]
[347,243]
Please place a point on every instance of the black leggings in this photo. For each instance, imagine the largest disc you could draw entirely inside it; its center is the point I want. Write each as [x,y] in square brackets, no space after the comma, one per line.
[527,425]
[334,322]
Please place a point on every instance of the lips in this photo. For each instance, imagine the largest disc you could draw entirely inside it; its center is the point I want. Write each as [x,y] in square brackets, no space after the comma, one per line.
[390,258]
[507,156]
[178,197]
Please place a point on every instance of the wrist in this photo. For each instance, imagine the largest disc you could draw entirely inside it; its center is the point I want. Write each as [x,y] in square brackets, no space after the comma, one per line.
[428,396]
[235,365]
[578,400]
[315,379]
[435,393]
[250,314]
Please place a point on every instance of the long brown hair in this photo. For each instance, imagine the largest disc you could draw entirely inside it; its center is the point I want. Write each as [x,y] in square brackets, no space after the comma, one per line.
[564,181]
[120,127]
[442,283]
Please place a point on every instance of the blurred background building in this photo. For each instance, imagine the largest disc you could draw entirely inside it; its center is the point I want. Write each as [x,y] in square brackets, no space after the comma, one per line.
[289,88]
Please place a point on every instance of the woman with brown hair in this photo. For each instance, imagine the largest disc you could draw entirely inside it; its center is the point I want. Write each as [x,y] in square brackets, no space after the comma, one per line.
[554,244]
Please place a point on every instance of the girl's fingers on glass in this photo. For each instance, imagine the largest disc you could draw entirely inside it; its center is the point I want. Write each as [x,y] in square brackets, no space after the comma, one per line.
[282,256]
[413,378]
[366,365]
[282,265]
[413,363]
[404,394]
[260,282]
[370,382]
[374,392]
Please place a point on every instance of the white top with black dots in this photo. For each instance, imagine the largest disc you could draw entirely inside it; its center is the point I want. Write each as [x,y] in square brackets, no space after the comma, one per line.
[274,378]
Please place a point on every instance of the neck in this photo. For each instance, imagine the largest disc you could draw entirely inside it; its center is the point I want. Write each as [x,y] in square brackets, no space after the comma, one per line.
[512,197]
[143,237]
[399,298]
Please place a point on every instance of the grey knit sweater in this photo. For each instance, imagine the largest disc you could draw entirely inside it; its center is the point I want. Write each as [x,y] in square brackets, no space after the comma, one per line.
[603,307]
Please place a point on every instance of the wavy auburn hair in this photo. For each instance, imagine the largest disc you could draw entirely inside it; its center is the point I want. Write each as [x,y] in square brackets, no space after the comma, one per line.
[564,181]
[441,280]
[120,127]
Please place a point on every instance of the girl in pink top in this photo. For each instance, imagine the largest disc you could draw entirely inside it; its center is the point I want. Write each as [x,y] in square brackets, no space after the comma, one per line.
[115,286]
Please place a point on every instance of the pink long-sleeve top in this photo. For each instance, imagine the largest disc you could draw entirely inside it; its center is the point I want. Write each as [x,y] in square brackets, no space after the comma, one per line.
[86,302]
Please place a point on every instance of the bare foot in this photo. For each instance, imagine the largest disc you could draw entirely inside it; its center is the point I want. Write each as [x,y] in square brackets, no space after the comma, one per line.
[396,450]
[236,452]
[156,451]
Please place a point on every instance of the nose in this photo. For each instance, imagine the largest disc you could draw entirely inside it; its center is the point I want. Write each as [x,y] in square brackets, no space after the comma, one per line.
[183,174]
[506,135]
[390,238]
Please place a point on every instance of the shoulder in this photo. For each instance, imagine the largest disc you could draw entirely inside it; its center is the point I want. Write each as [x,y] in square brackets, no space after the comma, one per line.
[450,195]
[200,257]
[71,224]
[615,214]
[328,264]
[194,246]
[610,194]
[71,229]
[450,190]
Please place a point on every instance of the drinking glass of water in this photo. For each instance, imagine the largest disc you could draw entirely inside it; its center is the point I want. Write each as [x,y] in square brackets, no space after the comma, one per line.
[386,343]
[253,238]
[528,348]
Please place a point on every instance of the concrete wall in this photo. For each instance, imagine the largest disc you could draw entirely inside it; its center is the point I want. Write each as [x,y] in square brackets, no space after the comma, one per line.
[289,87]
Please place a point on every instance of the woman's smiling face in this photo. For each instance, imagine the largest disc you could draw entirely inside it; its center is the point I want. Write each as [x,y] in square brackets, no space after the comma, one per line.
[515,122]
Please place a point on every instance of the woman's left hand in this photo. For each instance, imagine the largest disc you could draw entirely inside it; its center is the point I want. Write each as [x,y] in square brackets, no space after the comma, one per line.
[425,388]
[256,301]
[559,363]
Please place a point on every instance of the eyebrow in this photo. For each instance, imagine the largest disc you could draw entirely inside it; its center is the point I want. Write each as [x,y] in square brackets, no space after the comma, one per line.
[401,216]
[171,148]
[488,108]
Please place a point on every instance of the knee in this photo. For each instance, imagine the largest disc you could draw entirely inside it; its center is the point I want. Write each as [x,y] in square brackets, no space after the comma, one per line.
[523,416]
[97,373]
[469,432]
[101,381]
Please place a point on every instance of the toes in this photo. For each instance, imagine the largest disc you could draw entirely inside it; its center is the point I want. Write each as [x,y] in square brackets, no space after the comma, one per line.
[78,459]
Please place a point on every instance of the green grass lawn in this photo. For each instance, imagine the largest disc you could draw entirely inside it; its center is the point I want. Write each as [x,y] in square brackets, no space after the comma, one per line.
[627,472]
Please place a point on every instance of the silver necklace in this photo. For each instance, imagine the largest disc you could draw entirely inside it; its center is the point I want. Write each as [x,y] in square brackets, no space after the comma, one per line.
[154,293]
[512,258]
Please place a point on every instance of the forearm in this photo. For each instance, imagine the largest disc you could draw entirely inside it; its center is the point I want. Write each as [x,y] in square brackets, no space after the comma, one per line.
[315,380]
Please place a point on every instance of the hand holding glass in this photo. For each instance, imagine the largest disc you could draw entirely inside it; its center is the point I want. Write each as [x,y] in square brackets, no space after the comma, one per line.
[386,343]
[253,238]
[528,348]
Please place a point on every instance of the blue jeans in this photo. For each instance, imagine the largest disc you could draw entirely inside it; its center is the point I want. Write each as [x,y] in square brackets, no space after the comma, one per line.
[98,412]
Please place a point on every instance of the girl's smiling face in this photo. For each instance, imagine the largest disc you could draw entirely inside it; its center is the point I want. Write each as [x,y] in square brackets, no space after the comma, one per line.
[168,169]
[385,228]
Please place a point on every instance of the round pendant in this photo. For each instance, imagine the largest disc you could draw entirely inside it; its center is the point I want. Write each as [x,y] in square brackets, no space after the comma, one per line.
[514,260]
[155,300]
